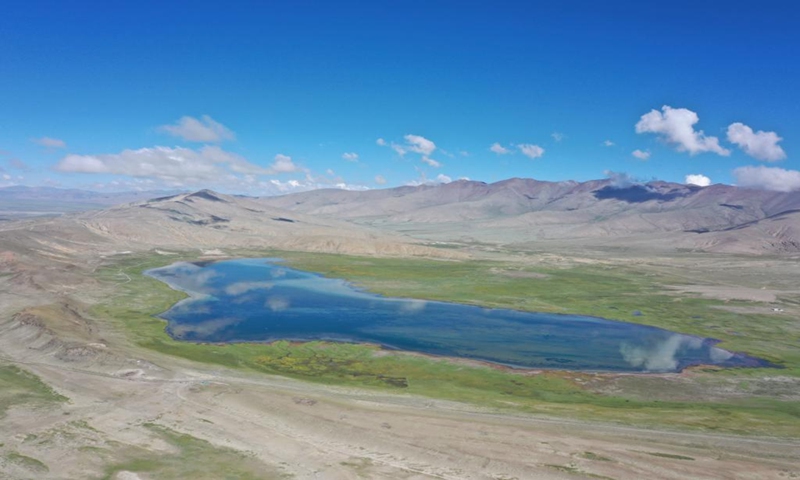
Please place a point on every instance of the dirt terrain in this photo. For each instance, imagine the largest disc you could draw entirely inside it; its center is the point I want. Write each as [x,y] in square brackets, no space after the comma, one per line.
[121,411]
[303,430]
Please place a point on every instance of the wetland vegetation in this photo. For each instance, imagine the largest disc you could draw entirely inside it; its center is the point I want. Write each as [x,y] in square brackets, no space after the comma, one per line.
[263,300]
[581,289]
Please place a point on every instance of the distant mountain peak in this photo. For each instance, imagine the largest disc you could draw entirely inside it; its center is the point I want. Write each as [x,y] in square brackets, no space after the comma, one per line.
[209,195]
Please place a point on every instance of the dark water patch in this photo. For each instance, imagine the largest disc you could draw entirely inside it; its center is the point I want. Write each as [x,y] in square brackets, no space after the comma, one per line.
[260,300]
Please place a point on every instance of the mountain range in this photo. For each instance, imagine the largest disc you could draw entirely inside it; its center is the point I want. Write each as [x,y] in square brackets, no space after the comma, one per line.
[521,212]
[515,214]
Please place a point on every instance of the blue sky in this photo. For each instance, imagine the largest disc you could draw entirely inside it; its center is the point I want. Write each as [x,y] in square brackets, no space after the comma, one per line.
[261,98]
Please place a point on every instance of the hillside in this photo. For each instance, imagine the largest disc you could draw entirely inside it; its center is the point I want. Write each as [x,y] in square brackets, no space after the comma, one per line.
[658,215]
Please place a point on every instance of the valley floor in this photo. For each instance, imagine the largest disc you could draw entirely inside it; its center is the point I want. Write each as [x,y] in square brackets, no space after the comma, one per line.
[256,426]
[105,406]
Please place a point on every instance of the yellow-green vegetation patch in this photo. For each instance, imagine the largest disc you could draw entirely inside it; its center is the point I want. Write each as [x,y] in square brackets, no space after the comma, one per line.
[27,463]
[590,290]
[594,456]
[19,387]
[573,469]
[667,455]
[195,459]
[626,293]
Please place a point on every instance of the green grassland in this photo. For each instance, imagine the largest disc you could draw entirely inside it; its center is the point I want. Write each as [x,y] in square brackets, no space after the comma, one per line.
[611,292]
[18,387]
[195,459]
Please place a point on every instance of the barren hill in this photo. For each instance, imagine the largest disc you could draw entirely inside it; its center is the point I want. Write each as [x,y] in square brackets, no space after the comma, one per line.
[202,220]
[518,211]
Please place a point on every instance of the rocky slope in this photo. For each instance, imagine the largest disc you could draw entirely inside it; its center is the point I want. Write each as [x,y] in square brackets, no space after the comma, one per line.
[519,211]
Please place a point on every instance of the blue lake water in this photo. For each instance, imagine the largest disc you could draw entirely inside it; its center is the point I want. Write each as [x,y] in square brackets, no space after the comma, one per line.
[261,300]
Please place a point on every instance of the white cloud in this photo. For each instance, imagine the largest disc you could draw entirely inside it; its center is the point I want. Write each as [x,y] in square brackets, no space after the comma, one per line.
[697,179]
[6,176]
[380,180]
[418,144]
[209,164]
[558,136]
[620,179]
[48,142]
[499,149]
[608,143]
[283,164]
[433,163]
[381,142]
[641,154]
[464,153]
[424,180]
[531,151]
[310,182]
[442,178]
[205,129]
[768,178]
[398,149]
[350,156]
[759,145]
[676,126]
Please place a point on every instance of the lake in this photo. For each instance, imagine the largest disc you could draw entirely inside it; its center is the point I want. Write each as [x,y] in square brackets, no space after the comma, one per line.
[261,300]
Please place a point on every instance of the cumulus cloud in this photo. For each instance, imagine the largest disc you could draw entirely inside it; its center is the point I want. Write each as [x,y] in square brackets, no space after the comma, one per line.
[424,180]
[759,145]
[499,149]
[442,178]
[206,129]
[413,143]
[641,154]
[768,178]
[433,163]
[676,126]
[350,156]
[398,149]
[697,179]
[175,165]
[419,144]
[282,164]
[48,142]
[530,150]
[608,143]
[278,187]
[620,179]
[558,136]
[380,180]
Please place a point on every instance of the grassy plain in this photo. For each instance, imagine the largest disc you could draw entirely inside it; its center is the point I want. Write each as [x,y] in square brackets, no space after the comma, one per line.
[609,291]
[18,387]
[192,458]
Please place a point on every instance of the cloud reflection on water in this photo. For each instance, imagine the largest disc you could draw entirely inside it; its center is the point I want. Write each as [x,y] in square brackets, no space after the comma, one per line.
[660,356]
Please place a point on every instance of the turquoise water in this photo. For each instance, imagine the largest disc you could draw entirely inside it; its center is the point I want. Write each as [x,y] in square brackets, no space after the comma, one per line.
[260,300]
